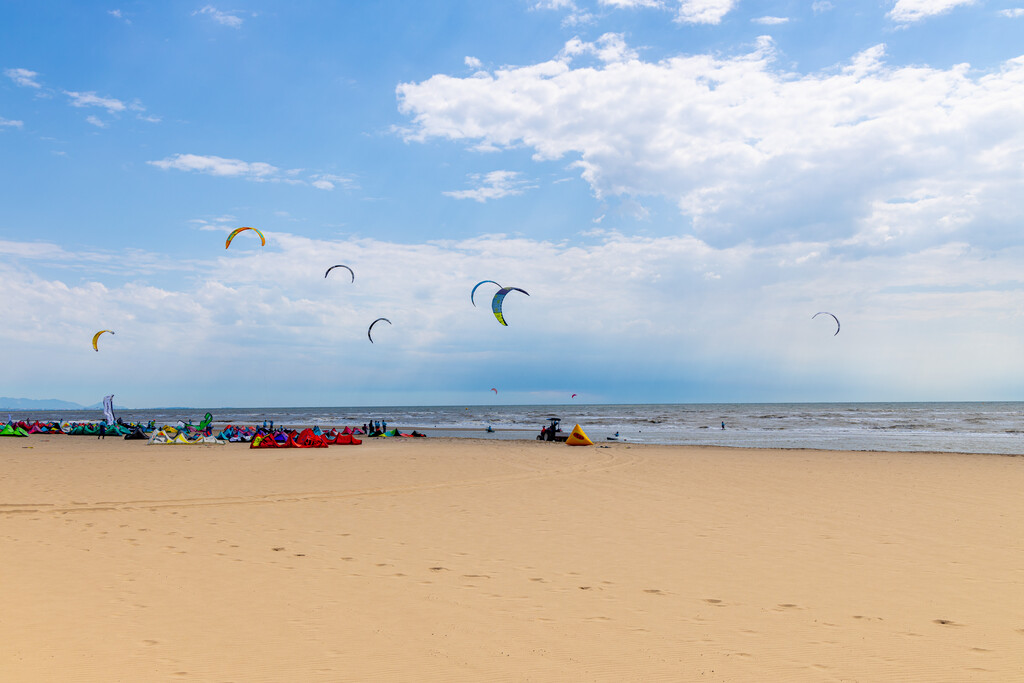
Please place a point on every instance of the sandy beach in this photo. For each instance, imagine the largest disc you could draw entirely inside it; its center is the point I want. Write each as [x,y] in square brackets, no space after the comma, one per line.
[465,560]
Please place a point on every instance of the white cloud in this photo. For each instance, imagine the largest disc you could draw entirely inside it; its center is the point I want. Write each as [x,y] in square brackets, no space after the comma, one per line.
[907,11]
[218,166]
[749,151]
[225,223]
[328,181]
[222,18]
[473,62]
[258,171]
[820,6]
[703,11]
[609,48]
[493,185]
[575,15]
[119,15]
[92,120]
[238,308]
[770,21]
[23,77]
[1012,13]
[91,99]
[10,123]
[632,3]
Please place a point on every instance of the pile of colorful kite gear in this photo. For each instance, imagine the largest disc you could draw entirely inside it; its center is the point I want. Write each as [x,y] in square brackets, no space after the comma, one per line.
[180,436]
[307,438]
[23,428]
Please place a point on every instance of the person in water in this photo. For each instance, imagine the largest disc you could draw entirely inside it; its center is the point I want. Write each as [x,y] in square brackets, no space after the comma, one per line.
[723,425]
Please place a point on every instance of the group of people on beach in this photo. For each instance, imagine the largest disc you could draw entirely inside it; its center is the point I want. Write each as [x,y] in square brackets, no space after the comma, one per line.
[377,428]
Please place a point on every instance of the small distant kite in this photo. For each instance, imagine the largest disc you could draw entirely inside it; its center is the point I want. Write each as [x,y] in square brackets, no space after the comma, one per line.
[499,297]
[573,396]
[96,339]
[494,390]
[827,313]
[341,265]
[477,285]
[263,240]
[370,328]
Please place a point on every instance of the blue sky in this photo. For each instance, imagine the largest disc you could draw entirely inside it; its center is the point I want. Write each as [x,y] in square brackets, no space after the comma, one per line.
[679,185]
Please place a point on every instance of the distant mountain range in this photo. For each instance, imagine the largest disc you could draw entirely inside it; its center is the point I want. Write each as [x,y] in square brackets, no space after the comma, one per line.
[8,403]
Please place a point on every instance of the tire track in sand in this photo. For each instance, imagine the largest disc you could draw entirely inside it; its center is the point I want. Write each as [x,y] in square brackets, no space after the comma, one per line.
[532,473]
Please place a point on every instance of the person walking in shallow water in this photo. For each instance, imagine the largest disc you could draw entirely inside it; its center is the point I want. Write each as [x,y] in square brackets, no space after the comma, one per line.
[723,425]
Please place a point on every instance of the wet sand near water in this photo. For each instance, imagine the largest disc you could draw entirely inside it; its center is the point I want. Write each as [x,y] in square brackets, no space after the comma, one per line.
[471,560]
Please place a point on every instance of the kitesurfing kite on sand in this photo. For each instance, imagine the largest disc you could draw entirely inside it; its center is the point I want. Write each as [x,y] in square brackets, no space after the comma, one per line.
[827,313]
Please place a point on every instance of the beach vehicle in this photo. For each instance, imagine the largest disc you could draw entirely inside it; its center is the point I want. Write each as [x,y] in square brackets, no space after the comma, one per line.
[551,432]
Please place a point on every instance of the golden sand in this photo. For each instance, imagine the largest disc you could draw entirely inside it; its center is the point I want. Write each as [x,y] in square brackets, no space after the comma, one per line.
[467,560]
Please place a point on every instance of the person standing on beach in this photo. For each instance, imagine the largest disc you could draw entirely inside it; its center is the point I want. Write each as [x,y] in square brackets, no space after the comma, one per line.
[103,431]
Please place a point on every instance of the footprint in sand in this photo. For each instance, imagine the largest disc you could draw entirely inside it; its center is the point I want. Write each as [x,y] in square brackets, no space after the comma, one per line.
[946,622]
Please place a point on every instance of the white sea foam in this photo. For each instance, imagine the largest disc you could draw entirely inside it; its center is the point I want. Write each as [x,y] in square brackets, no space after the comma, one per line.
[950,427]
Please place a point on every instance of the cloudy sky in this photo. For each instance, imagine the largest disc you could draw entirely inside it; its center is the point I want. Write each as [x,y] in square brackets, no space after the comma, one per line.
[680,185]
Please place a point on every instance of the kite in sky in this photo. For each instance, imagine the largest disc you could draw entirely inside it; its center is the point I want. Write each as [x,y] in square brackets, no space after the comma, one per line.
[341,265]
[499,297]
[370,328]
[477,285]
[827,313]
[96,339]
[263,240]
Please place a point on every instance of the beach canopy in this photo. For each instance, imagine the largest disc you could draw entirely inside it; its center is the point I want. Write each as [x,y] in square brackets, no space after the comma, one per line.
[578,438]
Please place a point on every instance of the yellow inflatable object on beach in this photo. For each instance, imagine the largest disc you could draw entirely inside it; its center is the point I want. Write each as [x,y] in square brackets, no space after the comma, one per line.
[578,438]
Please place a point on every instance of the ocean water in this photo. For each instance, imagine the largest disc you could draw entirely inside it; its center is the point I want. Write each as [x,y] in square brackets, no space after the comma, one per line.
[996,427]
